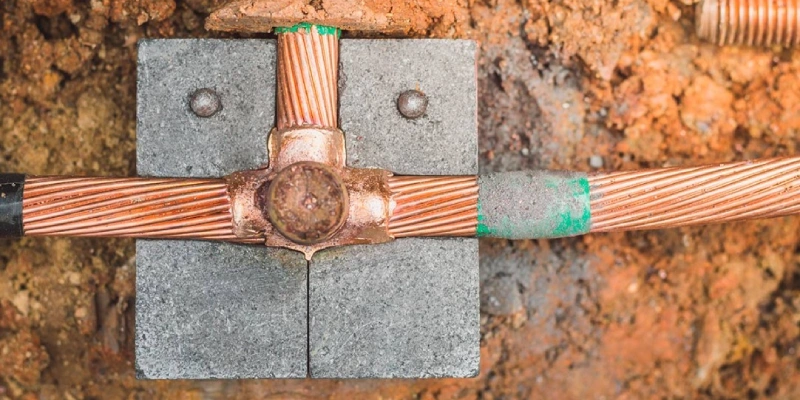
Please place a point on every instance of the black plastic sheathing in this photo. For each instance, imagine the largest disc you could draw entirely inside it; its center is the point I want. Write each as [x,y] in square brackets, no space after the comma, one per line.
[11,186]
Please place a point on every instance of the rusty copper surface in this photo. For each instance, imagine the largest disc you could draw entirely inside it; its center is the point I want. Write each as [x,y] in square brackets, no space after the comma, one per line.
[433,206]
[306,202]
[263,15]
[128,207]
[671,197]
[367,213]
[308,69]
[750,22]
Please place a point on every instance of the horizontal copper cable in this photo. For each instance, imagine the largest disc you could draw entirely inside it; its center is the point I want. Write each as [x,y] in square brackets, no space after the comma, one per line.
[128,207]
[750,22]
[307,79]
[433,206]
[671,197]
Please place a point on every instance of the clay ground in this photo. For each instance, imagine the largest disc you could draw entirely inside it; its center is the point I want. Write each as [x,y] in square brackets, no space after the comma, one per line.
[710,312]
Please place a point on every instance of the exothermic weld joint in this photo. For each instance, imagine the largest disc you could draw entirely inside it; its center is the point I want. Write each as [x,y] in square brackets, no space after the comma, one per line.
[11,187]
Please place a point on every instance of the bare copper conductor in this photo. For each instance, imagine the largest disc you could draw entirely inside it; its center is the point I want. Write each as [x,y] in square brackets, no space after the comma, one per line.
[308,68]
[306,202]
[129,207]
[671,197]
[305,199]
[433,206]
[749,22]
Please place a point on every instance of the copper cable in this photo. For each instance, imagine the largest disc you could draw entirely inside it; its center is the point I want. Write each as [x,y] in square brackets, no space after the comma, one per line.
[128,207]
[671,197]
[307,79]
[750,22]
[420,206]
[433,206]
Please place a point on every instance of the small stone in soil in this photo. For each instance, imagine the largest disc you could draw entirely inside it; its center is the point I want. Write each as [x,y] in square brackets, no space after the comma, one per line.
[596,162]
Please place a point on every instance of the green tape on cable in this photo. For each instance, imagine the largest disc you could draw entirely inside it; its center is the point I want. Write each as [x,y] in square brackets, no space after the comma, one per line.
[533,204]
[321,29]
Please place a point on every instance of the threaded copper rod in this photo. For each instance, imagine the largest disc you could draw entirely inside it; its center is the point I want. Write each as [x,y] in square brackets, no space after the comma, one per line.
[128,207]
[671,197]
[308,64]
[433,206]
[750,22]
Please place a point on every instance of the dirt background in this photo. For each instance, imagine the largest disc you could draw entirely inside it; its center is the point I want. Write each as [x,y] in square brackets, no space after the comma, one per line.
[710,312]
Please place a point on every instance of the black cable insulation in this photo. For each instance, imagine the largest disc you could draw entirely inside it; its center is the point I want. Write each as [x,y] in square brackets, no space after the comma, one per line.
[11,188]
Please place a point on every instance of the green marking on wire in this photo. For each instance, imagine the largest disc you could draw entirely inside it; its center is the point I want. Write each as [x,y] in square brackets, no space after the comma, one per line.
[321,29]
[566,213]
[569,224]
[482,230]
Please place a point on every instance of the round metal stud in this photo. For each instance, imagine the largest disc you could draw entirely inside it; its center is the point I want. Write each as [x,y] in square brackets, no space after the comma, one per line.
[412,104]
[306,202]
[205,102]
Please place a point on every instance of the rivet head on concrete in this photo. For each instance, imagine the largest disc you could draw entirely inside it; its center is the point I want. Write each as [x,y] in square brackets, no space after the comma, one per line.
[412,104]
[205,102]
[306,202]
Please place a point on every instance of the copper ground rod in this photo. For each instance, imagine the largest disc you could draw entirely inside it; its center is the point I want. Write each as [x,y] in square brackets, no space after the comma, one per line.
[749,22]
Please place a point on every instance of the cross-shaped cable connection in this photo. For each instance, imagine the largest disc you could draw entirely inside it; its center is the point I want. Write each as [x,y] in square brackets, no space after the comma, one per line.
[308,199]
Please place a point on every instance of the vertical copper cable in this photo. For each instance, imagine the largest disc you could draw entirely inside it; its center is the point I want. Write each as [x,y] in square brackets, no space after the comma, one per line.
[750,22]
[665,198]
[128,207]
[308,64]
[433,206]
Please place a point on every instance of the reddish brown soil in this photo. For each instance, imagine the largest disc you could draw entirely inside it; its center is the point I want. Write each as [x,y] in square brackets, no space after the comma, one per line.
[711,312]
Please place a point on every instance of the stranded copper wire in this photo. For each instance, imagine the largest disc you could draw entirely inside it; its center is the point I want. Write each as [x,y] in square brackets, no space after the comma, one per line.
[433,206]
[128,207]
[671,197]
[307,79]
[749,22]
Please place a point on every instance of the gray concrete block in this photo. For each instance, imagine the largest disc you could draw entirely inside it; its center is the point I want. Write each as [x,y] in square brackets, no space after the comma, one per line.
[213,310]
[410,308]
[171,140]
[416,300]
[405,309]
[445,140]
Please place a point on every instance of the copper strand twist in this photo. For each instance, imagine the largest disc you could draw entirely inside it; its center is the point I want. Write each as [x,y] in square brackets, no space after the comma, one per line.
[433,206]
[128,207]
[750,22]
[307,79]
[671,197]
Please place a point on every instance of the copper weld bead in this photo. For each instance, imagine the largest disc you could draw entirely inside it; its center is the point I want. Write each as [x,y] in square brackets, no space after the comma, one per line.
[306,202]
